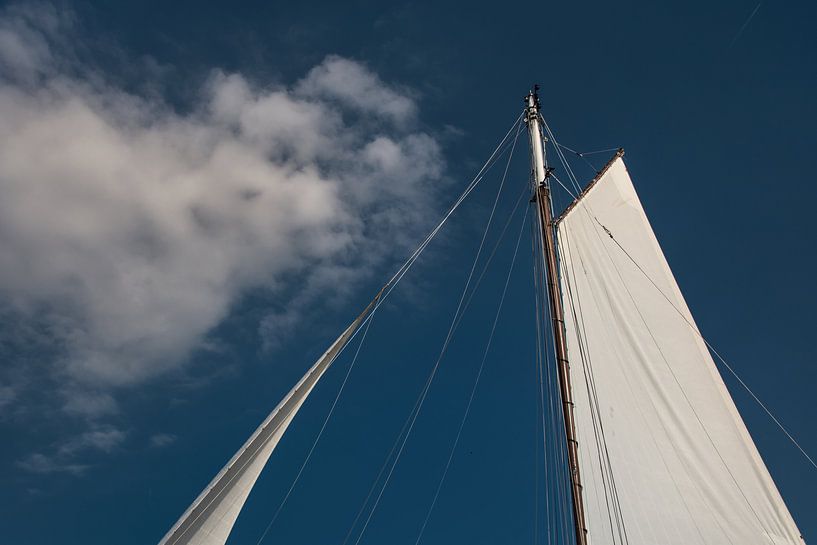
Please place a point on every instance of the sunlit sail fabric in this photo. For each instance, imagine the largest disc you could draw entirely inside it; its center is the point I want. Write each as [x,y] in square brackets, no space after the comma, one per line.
[665,458]
[209,520]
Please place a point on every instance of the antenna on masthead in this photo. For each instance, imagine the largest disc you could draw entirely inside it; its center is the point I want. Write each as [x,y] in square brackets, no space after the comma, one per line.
[532,98]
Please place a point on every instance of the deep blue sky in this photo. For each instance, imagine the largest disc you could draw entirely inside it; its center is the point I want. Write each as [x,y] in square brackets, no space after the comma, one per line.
[719,130]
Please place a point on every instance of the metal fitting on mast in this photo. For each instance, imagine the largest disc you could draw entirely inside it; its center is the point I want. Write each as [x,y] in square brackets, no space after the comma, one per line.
[536,139]
[550,267]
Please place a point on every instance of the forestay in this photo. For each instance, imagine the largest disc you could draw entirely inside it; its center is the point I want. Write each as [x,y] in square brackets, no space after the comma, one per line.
[209,520]
[664,455]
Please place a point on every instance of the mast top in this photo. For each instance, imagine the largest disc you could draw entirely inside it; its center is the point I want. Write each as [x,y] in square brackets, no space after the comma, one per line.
[532,99]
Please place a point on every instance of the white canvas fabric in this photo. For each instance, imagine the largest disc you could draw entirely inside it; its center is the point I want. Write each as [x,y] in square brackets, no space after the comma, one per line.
[209,520]
[665,458]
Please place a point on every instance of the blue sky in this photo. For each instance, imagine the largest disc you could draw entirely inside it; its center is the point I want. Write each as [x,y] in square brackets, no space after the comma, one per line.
[197,198]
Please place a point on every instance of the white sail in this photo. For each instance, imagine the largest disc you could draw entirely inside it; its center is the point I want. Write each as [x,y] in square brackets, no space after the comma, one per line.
[665,458]
[209,520]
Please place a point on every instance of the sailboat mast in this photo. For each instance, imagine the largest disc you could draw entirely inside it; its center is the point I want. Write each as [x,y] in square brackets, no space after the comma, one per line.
[543,201]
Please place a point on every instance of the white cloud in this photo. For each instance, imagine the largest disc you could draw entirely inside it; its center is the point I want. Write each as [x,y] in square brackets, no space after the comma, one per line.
[25,32]
[350,83]
[64,457]
[104,439]
[88,403]
[40,463]
[160,440]
[7,395]
[131,229]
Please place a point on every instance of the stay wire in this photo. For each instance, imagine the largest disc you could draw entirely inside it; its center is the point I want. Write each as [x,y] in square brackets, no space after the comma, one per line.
[387,288]
[465,307]
[560,484]
[444,349]
[540,395]
[560,154]
[583,154]
[476,381]
[675,377]
[491,256]
[578,313]
[320,432]
[603,454]
[714,351]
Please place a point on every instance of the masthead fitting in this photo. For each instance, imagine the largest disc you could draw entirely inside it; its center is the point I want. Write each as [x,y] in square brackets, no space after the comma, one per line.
[532,98]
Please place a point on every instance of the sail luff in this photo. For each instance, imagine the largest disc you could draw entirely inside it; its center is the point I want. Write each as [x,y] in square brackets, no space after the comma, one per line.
[210,518]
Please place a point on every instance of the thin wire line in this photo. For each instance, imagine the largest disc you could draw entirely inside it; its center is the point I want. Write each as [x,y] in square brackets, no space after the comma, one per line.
[170,538]
[708,344]
[761,527]
[583,153]
[430,380]
[320,433]
[574,294]
[491,256]
[476,382]
[405,425]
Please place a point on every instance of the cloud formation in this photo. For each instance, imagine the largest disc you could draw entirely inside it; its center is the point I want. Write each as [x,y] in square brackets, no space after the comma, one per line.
[129,228]
[64,457]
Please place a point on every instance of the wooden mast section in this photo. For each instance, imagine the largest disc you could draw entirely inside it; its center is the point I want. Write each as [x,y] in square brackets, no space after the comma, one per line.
[543,200]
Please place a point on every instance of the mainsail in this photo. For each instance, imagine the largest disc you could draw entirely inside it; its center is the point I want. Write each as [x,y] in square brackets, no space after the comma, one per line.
[664,455]
[210,519]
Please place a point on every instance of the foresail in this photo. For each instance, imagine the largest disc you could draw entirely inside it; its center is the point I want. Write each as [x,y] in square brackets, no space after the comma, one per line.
[664,455]
[209,520]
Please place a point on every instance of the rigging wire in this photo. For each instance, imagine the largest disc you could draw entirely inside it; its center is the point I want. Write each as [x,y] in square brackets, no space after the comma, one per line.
[712,348]
[697,332]
[476,382]
[569,192]
[540,397]
[498,151]
[573,179]
[424,392]
[602,448]
[501,236]
[673,374]
[465,307]
[385,291]
[550,396]
[320,432]
[578,316]
[583,154]
[545,127]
